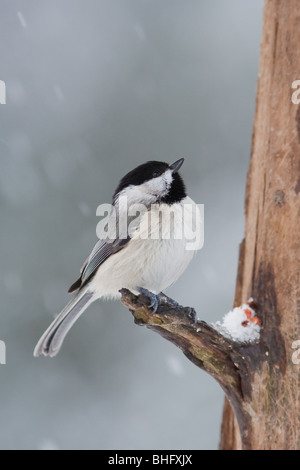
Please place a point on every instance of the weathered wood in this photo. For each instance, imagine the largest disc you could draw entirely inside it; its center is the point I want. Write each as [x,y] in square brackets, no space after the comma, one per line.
[200,342]
[230,363]
[270,259]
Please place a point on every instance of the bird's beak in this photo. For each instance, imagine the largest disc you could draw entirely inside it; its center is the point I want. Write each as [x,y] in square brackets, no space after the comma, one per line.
[176,165]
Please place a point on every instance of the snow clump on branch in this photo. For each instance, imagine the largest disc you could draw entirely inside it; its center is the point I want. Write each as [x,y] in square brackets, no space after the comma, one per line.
[240,324]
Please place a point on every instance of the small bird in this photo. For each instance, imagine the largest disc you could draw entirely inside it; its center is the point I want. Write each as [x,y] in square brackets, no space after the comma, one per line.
[146,256]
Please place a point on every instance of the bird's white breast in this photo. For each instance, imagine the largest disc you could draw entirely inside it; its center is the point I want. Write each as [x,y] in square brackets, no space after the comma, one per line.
[156,255]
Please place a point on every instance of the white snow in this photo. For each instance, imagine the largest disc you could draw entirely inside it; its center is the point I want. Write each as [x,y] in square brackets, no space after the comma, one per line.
[140,32]
[13,282]
[84,209]
[22,20]
[175,365]
[238,326]
[16,93]
[58,93]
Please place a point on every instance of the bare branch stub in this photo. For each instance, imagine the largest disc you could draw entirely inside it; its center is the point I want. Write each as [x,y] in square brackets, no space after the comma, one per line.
[200,342]
[230,363]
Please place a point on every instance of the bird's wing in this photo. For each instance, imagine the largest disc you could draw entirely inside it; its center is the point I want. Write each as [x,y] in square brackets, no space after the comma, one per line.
[108,244]
[101,251]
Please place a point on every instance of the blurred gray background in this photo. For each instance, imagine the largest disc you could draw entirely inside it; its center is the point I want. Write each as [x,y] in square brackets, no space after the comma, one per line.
[93,89]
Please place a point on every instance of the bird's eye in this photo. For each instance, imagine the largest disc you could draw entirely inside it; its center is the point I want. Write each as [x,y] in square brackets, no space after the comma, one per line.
[155,174]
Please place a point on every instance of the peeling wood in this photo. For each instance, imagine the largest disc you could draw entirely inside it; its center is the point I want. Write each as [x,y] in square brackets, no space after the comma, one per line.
[271,255]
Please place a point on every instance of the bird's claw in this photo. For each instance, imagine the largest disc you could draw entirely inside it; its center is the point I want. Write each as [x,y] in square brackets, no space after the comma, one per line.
[154,298]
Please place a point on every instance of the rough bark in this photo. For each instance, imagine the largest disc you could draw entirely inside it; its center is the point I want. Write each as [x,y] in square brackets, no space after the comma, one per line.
[261,382]
[270,258]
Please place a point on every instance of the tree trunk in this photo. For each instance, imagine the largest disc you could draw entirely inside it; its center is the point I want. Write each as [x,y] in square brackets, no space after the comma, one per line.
[269,264]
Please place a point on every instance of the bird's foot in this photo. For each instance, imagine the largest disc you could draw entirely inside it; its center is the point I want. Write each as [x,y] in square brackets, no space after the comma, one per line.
[154,298]
[167,300]
[157,299]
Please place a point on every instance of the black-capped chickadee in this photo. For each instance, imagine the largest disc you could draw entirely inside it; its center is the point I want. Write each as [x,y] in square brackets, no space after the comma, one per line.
[144,253]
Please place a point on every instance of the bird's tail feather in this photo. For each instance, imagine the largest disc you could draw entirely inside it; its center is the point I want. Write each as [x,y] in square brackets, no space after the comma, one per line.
[51,341]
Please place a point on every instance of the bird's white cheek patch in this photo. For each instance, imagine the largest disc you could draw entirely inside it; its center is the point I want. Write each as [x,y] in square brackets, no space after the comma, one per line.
[157,186]
[162,183]
[167,176]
